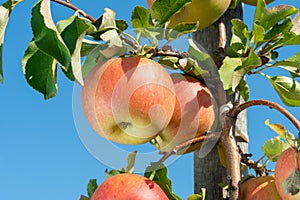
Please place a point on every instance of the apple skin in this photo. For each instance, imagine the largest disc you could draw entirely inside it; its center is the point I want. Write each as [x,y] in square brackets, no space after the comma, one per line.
[129,187]
[204,11]
[194,114]
[128,100]
[287,162]
[254,2]
[259,188]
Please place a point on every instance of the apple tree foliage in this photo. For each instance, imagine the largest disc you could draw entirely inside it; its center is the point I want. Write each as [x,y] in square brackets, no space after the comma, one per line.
[74,45]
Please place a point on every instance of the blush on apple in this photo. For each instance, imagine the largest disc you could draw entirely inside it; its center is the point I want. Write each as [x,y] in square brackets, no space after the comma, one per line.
[287,163]
[129,187]
[193,116]
[128,100]
[206,12]
[259,188]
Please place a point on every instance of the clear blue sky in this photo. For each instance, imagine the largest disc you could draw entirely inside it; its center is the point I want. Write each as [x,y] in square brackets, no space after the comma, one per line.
[41,154]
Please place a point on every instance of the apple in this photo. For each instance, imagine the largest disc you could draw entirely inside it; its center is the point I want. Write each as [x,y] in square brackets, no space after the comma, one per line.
[128,100]
[206,12]
[288,161]
[254,2]
[193,116]
[259,188]
[129,187]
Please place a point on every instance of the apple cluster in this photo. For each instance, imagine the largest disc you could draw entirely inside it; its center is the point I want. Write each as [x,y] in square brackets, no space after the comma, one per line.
[134,100]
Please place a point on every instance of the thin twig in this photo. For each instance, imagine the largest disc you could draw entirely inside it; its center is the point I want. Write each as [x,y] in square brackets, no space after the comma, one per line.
[73,7]
[178,148]
[235,111]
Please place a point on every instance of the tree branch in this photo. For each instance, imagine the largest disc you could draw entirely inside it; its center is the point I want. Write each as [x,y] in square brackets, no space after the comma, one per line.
[73,7]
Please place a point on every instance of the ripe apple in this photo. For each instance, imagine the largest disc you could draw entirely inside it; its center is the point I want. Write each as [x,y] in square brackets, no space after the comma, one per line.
[287,162]
[259,188]
[194,114]
[206,12]
[254,2]
[129,187]
[128,100]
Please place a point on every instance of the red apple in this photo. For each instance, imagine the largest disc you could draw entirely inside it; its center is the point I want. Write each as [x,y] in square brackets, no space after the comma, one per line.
[194,114]
[287,162]
[206,12]
[259,188]
[129,187]
[128,100]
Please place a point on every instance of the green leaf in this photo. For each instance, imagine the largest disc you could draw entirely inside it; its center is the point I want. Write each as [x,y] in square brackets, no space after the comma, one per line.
[182,29]
[277,128]
[5,11]
[72,31]
[114,172]
[91,187]
[292,183]
[158,173]
[293,61]
[88,46]
[130,162]
[287,88]
[227,70]
[99,55]
[141,18]
[258,33]
[282,28]
[268,18]
[46,36]
[40,71]
[244,89]
[164,9]
[82,197]
[273,148]
[200,196]
[121,25]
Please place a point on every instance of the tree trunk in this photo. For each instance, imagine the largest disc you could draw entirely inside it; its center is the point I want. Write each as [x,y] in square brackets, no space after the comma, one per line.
[208,172]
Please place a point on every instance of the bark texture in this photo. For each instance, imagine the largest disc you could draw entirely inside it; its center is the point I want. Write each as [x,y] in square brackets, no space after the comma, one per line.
[208,172]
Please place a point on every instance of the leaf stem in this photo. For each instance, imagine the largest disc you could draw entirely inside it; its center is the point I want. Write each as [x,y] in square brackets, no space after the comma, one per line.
[73,7]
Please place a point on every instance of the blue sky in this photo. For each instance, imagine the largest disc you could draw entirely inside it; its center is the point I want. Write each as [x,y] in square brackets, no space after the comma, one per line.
[41,154]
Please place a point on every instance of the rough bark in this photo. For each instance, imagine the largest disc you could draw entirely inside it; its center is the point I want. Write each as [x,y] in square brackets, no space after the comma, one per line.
[208,172]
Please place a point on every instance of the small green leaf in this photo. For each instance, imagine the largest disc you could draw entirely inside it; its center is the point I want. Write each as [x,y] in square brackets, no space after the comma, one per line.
[114,172]
[99,55]
[5,11]
[279,29]
[181,29]
[91,187]
[258,33]
[40,71]
[46,36]
[88,46]
[277,128]
[287,88]
[200,196]
[292,183]
[273,148]
[82,197]
[244,89]
[293,61]
[130,162]
[268,18]
[158,173]
[164,9]
[141,18]
[121,25]
[227,70]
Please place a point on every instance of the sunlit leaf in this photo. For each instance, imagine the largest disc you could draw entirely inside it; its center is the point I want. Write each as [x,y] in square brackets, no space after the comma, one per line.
[141,18]
[287,88]
[181,29]
[165,9]
[5,11]
[277,128]
[227,70]
[40,71]
[273,148]
[91,187]
[72,31]
[130,162]
[293,61]
[46,36]
[200,196]
[244,89]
